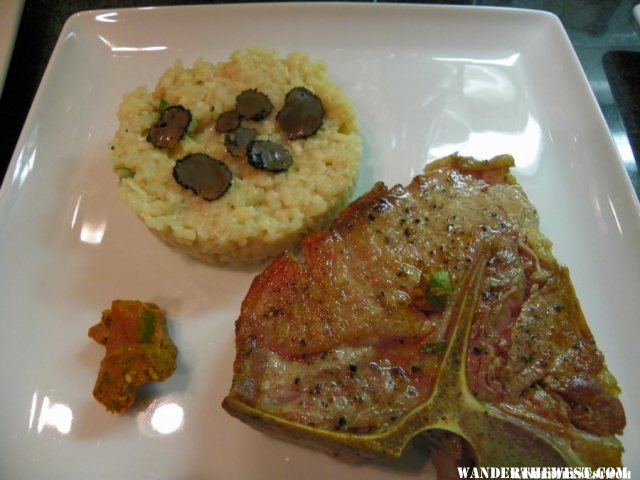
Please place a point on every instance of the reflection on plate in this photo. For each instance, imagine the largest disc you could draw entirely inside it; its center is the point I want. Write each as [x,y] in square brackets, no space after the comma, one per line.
[477,80]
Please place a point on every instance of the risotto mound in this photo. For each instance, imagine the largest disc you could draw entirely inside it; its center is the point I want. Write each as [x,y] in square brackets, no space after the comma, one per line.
[262,212]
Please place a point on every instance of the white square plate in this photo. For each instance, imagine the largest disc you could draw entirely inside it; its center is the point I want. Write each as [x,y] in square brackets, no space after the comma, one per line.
[425,81]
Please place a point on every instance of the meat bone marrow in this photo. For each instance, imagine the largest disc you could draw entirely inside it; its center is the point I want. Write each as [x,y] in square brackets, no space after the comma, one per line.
[341,346]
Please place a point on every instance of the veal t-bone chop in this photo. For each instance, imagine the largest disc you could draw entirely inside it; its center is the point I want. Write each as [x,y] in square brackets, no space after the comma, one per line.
[437,311]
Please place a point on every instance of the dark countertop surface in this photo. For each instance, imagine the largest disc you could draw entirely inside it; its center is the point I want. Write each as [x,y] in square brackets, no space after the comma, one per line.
[603,33]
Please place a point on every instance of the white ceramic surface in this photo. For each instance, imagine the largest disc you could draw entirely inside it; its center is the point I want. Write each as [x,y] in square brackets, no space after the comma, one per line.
[426,81]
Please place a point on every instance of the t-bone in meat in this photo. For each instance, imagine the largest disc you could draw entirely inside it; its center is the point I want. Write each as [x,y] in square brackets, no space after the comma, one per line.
[435,311]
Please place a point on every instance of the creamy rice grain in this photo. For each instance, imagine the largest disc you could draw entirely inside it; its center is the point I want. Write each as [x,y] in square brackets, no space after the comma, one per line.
[263,212]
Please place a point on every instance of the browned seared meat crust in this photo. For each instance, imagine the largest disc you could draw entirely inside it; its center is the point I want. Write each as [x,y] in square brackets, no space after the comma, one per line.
[433,306]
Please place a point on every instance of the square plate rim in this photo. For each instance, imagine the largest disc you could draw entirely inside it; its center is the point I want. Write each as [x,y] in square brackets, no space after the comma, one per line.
[89,13]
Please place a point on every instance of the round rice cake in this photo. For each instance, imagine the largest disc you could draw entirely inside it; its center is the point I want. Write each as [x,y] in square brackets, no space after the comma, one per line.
[263,212]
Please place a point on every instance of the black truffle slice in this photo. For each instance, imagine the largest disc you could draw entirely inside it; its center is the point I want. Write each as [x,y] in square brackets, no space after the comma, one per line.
[237,144]
[253,105]
[203,175]
[170,127]
[302,114]
[268,155]
[228,121]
